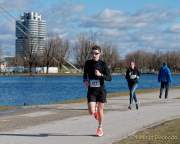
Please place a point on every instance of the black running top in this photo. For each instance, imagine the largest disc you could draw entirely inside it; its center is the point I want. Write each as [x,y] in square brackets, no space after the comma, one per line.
[89,71]
[132,72]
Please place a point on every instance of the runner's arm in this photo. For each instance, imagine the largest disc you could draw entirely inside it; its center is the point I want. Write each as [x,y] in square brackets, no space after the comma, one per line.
[106,73]
[127,75]
[138,74]
[85,74]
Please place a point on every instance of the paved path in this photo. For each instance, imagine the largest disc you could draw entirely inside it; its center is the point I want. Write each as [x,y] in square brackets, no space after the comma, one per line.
[119,122]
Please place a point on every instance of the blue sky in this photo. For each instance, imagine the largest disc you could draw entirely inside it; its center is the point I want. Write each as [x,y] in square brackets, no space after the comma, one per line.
[151,25]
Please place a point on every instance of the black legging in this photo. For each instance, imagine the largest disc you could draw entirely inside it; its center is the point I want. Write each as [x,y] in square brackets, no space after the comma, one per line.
[166,86]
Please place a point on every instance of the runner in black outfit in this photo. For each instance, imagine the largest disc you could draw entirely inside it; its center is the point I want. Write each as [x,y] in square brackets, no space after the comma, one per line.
[132,76]
[95,72]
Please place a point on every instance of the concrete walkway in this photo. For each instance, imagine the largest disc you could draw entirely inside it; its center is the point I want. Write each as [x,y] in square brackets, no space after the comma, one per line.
[119,122]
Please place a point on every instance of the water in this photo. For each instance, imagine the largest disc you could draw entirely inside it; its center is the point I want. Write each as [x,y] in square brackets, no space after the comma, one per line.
[17,90]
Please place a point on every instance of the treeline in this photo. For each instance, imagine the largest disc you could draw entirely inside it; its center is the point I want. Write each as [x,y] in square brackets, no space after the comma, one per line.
[151,62]
[58,52]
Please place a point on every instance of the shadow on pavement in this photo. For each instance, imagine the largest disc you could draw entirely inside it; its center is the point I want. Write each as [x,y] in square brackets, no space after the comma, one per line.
[45,135]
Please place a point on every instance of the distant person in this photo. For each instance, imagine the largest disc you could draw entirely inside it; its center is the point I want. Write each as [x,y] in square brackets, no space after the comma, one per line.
[165,78]
[95,72]
[132,76]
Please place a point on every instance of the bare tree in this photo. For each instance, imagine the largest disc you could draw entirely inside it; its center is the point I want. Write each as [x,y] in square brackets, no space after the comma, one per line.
[146,61]
[153,61]
[172,59]
[60,50]
[30,53]
[110,55]
[138,57]
[17,61]
[49,53]
[83,47]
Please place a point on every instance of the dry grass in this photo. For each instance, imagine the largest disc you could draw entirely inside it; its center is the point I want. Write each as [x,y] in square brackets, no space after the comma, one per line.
[165,133]
[4,108]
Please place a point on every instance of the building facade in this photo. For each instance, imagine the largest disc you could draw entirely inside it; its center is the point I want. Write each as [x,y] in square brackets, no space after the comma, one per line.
[31,34]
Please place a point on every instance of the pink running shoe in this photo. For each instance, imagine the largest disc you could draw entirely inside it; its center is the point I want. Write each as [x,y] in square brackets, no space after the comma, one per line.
[99,132]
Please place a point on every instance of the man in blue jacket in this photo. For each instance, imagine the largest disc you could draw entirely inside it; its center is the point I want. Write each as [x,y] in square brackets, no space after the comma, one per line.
[165,78]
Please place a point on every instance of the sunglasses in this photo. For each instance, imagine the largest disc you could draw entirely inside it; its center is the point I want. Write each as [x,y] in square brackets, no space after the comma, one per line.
[93,53]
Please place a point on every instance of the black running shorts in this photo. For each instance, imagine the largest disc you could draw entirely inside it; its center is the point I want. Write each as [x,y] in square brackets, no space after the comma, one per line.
[96,95]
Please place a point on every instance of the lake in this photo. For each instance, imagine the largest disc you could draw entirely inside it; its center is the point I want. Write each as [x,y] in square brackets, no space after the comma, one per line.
[17,90]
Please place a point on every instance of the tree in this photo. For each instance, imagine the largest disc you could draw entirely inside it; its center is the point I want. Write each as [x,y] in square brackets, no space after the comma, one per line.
[153,61]
[30,53]
[83,47]
[49,53]
[110,55]
[17,61]
[172,59]
[60,50]
[138,57]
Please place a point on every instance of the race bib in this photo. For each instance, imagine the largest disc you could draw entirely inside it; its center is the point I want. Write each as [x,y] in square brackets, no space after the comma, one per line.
[133,76]
[95,83]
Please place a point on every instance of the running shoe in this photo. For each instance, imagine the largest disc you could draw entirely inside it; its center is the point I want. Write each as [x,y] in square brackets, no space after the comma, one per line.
[129,107]
[99,132]
[137,107]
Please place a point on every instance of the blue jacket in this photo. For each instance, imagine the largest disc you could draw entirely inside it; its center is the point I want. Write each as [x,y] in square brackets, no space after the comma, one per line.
[164,74]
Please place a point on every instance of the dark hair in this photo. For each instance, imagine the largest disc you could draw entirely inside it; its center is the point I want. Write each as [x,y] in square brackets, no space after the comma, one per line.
[164,63]
[96,47]
[130,61]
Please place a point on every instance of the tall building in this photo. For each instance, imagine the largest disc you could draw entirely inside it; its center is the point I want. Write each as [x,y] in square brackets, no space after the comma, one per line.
[31,34]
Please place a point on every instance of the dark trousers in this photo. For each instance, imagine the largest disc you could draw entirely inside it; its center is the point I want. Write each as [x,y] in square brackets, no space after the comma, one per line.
[132,89]
[164,85]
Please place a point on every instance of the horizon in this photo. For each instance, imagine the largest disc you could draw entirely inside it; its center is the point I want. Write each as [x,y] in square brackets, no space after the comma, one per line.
[152,26]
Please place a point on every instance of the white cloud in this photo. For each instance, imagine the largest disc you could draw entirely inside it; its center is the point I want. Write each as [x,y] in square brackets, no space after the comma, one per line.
[108,18]
[152,28]
[62,17]
[110,32]
[110,14]
[16,4]
[78,8]
[145,29]
[59,17]
[175,28]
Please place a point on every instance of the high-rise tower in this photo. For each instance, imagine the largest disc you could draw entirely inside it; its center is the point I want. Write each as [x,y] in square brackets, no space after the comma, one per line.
[31,34]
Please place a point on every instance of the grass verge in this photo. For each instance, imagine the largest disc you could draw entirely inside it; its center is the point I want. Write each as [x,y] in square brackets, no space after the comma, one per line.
[4,108]
[165,133]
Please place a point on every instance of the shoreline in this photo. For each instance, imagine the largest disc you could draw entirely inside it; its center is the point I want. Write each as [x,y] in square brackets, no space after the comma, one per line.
[81,100]
[67,74]
[69,121]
